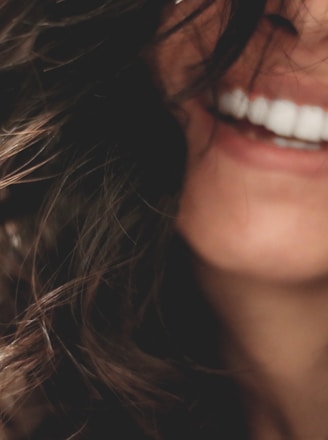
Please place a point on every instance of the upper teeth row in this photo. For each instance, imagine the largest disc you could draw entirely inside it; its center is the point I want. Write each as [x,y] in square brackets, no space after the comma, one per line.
[283,117]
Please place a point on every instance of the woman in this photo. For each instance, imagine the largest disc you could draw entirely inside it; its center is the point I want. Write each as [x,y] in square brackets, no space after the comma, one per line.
[164,219]
[253,211]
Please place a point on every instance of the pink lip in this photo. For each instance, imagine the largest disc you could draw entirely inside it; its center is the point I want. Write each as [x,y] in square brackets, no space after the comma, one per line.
[295,87]
[265,155]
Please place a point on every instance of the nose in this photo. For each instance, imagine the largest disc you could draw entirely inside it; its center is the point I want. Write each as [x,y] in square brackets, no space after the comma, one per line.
[308,18]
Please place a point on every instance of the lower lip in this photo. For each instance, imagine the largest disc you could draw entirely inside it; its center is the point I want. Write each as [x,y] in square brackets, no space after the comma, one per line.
[263,154]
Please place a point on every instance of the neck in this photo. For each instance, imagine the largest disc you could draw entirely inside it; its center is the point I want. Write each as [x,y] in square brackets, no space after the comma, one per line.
[275,340]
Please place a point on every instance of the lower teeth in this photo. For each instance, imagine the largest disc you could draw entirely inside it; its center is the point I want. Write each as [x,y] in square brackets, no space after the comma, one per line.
[293,143]
[255,132]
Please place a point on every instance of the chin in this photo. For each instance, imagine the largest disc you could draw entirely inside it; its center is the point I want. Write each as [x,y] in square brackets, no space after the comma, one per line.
[272,251]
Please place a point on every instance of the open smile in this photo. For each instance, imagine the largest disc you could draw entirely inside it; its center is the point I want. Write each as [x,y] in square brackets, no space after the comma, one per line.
[268,133]
[293,125]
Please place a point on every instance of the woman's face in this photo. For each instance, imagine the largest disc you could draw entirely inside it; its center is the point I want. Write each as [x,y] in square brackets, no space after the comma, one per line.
[255,199]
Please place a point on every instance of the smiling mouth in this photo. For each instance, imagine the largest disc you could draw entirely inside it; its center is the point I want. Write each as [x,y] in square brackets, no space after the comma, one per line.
[281,122]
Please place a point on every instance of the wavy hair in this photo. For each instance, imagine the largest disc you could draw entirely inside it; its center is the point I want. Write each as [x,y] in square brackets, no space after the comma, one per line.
[94,335]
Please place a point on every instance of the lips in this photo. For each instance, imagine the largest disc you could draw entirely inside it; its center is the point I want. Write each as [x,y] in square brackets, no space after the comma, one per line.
[255,147]
[252,145]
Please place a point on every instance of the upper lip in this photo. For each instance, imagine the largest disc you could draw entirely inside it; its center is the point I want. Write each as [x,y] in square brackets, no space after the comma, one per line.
[300,89]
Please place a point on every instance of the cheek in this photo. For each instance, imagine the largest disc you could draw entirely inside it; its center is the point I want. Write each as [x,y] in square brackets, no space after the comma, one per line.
[175,61]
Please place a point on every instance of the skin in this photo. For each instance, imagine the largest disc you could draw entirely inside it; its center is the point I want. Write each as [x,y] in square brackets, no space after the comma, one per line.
[259,237]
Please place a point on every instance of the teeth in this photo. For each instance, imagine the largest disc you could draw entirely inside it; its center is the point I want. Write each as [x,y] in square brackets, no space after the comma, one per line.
[258,110]
[309,124]
[291,143]
[284,118]
[234,103]
[324,133]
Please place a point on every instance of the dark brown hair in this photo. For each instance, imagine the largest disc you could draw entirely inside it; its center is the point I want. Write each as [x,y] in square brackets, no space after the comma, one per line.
[92,323]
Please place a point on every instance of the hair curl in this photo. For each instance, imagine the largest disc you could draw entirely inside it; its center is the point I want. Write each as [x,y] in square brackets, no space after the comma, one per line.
[92,302]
